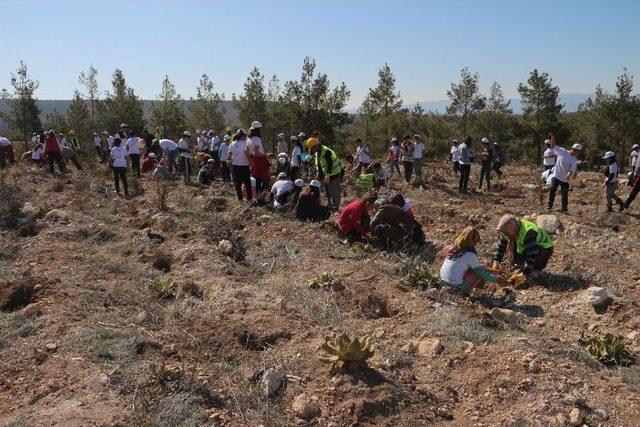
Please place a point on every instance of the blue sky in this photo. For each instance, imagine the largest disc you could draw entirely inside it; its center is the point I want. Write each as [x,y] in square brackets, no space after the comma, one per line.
[580,43]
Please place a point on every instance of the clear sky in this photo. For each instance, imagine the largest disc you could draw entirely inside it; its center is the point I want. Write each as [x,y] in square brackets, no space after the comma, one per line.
[579,42]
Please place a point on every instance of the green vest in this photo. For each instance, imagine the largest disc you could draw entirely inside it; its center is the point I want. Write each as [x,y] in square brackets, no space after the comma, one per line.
[323,162]
[365,180]
[542,238]
[75,143]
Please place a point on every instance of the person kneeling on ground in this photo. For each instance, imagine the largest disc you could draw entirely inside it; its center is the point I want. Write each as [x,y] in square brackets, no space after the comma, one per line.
[308,207]
[461,267]
[298,185]
[404,203]
[162,170]
[354,220]
[207,173]
[393,226]
[284,165]
[280,190]
[149,163]
[532,247]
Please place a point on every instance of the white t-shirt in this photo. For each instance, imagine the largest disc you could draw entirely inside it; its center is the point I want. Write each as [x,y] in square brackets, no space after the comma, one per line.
[119,155]
[455,154]
[564,164]
[132,145]
[238,150]
[215,141]
[4,142]
[362,155]
[37,152]
[280,187]
[167,145]
[224,152]
[97,141]
[63,142]
[394,150]
[202,142]
[110,140]
[296,154]
[549,157]
[255,145]
[453,271]
[418,149]
[613,169]
[185,146]
[634,158]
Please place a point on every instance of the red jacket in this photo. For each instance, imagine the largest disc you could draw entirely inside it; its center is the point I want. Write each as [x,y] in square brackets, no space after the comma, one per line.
[50,145]
[352,218]
[147,165]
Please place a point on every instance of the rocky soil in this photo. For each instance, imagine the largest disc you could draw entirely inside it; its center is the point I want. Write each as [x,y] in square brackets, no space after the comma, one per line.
[117,312]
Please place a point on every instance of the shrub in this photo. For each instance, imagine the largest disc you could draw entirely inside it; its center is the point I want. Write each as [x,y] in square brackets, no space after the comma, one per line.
[609,349]
[420,277]
[12,199]
[347,352]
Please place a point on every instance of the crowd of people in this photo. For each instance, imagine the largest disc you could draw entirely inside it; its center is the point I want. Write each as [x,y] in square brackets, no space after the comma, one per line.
[307,166]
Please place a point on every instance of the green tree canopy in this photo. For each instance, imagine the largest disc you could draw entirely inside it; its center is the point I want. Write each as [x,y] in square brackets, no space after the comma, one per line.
[23,116]
[167,111]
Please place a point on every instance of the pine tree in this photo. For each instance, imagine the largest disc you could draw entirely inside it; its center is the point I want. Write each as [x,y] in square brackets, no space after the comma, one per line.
[24,115]
[625,111]
[494,121]
[205,110]
[466,100]
[56,121]
[278,119]
[121,105]
[540,108]
[167,111]
[79,117]
[386,101]
[90,84]
[252,103]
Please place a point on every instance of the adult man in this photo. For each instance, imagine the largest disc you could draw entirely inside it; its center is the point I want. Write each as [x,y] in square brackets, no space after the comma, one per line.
[74,141]
[214,145]
[69,155]
[362,156]
[170,151]
[550,156]
[134,152]
[635,186]
[122,133]
[329,170]
[185,155]
[499,159]
[454,156]
[418,154]
[202,143]
[97,142]
[464,150]
[565,167]
[635,152]
[486,157]
[281,190]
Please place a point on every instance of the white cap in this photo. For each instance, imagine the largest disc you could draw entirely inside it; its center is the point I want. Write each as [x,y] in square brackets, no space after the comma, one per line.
[547,142]
[186,133]
[104,132]
[211,161]
[293,138]
[94,134]
[394,139]
[485,141]
[315,183]
[255,125]
[152,155]
[283,155]
[609,154]
[299,183]
[301,135]
[308,158]
[282,175]
[635,146]
[576,147]
[153,141]
[280,135]
[197,131]
[211,133]
[227,138]
[123,125]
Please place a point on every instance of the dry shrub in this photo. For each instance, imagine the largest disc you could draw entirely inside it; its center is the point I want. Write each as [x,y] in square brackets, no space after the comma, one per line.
[454,326]
[12,199]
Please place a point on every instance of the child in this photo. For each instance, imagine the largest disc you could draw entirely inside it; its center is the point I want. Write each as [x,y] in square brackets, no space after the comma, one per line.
[611,183]
[118,160]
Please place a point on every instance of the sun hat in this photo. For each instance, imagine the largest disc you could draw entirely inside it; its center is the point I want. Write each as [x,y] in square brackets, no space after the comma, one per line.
[315,183]
[608,155]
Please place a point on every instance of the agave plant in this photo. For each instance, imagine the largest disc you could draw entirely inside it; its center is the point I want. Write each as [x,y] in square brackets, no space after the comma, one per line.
[347,352]
[165,289]
[420,277]
[609,349]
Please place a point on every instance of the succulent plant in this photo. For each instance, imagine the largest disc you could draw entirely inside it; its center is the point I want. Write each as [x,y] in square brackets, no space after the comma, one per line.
[609,349]
[165,289]
[347,352]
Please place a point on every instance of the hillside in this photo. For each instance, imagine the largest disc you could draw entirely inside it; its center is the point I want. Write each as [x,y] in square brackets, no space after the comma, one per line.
[85,339]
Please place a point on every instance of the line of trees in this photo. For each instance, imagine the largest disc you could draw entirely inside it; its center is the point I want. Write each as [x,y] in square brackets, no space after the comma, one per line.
[607,121]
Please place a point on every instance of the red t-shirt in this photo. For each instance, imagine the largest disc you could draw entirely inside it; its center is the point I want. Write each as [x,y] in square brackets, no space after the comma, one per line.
[351,218]
[147,165]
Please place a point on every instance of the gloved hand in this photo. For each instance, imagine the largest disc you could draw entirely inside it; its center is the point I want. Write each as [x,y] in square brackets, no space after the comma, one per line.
[517,279]
[496,267]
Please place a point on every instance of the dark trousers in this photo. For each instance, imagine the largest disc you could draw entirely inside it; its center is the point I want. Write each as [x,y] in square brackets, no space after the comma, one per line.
[242,175]
[293,173]
[74,160]
[634,192]
[485,173]
[456,167]
[564,190]
[260,185]
[121,174]
[54,156]
[135,163]
[224,171]
[547,167]
[408,171]
[465,170]
[496,168]
[395,164]
[541,261]
[186,168]
[99,151]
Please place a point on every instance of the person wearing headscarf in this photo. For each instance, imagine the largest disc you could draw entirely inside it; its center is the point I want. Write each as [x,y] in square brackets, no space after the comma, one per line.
[393,226]
[531,246]
[461,267]
[308,206]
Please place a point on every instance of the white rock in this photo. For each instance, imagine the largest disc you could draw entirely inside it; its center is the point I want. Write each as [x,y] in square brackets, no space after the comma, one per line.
[429,347]
[549,223]
[596,296]
[504,316]
[57,215]
[225,246]
[306,407]
[271,382]
[575,417]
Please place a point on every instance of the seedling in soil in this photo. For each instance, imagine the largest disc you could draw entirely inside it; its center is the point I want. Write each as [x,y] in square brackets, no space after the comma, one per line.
[164,289]
[420,277]
[347,352]
[609,349]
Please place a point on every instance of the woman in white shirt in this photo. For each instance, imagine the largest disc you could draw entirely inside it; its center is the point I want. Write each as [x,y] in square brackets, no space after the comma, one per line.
[611,183]
[134,152]
[118,161]
[239,152]
[223,153]
[259,162]
[185,155]
[418,154]
[296,158]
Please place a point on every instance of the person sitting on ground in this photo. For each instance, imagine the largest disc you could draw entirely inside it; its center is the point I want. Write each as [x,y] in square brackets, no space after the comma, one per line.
[281,190]
[298,185]
[308,207]
[393,226]
[531,247]
[149,163]
[404,203]
[207,173]
[162,170]
[354,221]
[69,155]
[461,267]
[283,165]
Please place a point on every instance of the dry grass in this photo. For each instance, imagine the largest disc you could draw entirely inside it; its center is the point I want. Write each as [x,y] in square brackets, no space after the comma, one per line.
[454,326]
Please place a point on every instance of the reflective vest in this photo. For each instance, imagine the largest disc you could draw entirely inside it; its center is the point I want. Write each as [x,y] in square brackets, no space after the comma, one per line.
[542,238]
[365,181]
[75,143]
[320,158]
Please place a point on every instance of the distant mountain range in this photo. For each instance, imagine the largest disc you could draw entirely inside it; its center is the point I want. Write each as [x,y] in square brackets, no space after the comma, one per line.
[570,101]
